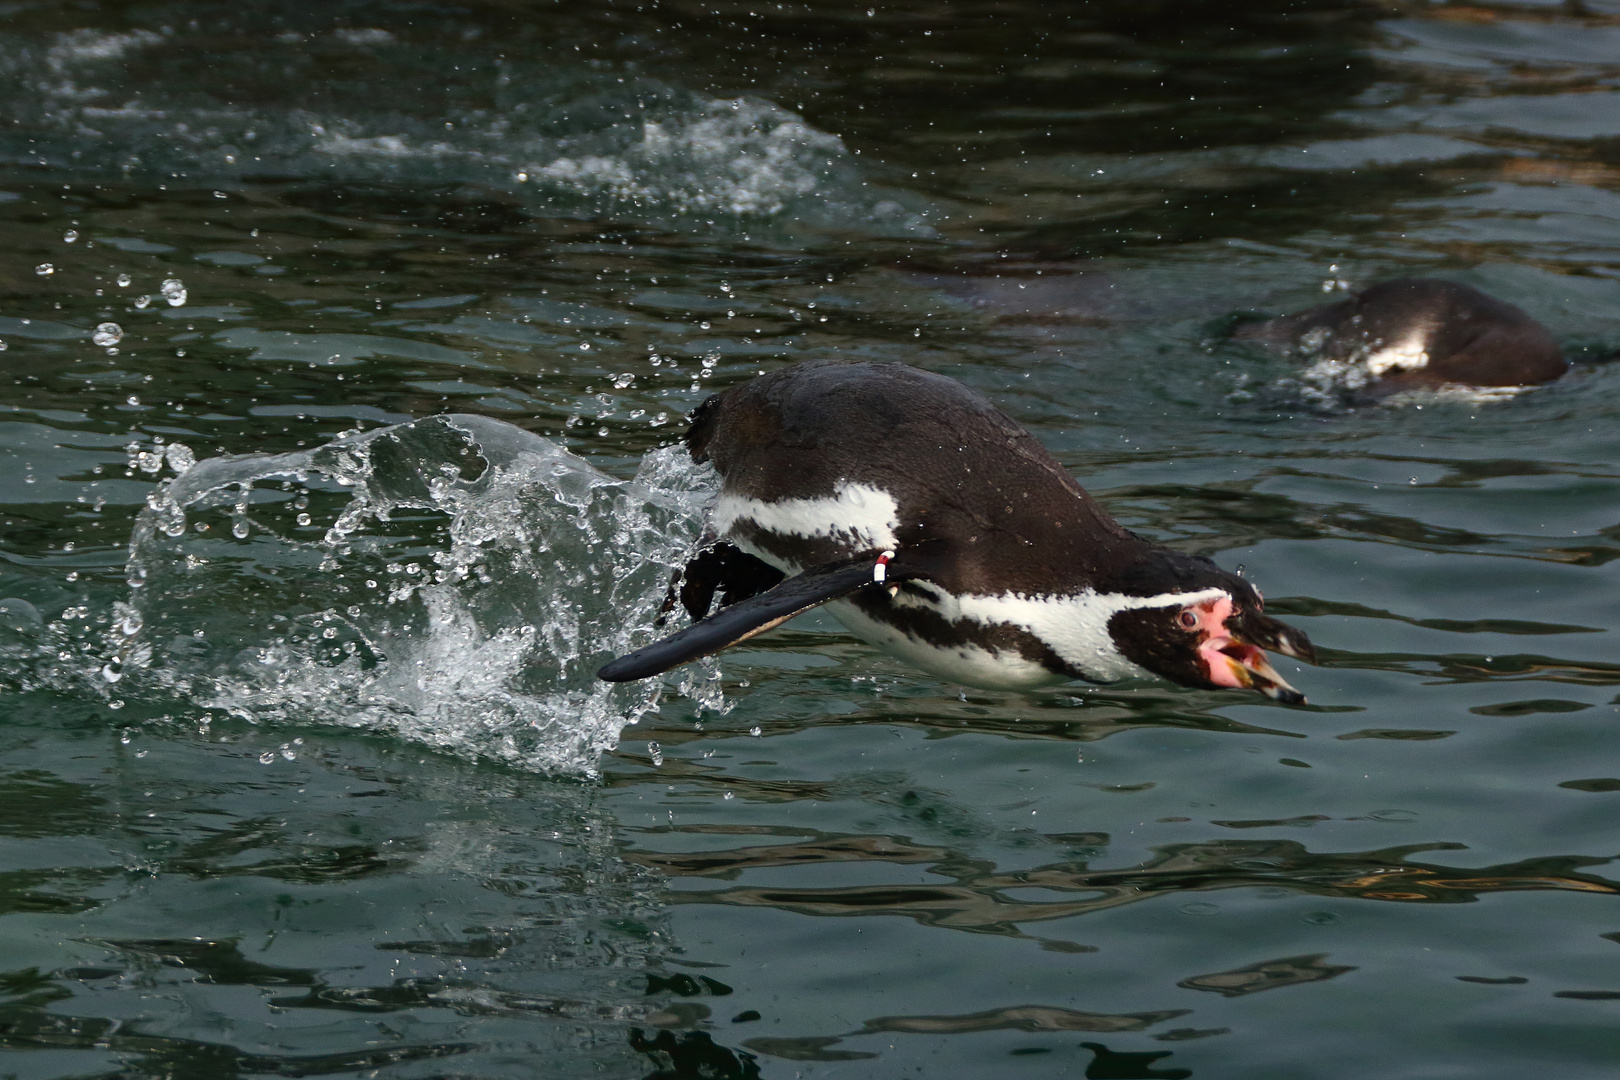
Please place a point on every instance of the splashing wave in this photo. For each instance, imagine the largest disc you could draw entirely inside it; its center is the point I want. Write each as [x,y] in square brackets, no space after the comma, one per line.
[454,581]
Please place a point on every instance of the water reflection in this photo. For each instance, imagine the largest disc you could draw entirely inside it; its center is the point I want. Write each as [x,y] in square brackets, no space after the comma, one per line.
[980,899]
[399,896]
[1267,975]
[1076,714]
[1021,1018]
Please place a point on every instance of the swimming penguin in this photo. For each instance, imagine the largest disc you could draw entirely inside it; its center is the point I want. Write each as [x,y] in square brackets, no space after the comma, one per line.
[1420,332]
[938,530]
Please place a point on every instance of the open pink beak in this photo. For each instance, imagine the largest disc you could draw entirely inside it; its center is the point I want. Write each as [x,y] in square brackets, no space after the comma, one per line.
[1230,660]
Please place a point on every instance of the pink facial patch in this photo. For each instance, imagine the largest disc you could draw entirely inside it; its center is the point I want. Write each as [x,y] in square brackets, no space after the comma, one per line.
[1211,616]
[1217,650]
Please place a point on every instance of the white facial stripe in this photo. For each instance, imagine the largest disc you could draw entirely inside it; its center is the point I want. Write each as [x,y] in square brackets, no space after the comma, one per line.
[860,514]
[1076,627]
[1180,599]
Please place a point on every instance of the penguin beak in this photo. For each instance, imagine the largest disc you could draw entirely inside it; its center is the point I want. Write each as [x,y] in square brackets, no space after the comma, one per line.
[1274,636]
[1247,667]
[1238,659]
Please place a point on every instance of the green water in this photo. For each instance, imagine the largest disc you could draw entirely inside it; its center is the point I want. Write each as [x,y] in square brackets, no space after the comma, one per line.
[303,769]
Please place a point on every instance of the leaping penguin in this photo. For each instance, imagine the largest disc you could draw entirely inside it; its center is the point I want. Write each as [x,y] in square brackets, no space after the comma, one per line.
[940,531]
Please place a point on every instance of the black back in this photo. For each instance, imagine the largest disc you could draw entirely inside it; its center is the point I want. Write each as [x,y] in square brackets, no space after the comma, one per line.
[990,509]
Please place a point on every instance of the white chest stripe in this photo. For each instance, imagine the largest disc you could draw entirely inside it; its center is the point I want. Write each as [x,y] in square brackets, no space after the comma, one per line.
[865,517]
[859,514]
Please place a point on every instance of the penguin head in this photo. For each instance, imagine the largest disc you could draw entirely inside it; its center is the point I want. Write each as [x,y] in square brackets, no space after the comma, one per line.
[1208,629]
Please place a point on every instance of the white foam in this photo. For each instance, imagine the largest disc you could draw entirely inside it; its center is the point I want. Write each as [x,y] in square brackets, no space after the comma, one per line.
[76,47]
[567,136]
[740,157]
[1409,354]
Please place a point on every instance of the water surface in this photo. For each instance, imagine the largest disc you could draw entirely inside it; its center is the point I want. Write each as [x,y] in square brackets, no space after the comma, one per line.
[348,348]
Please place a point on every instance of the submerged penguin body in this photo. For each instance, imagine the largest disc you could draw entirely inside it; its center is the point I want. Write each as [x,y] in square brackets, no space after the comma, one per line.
[1421,332]
[997,568]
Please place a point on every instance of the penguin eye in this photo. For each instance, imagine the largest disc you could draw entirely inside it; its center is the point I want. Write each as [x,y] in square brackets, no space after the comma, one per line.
[1189,619]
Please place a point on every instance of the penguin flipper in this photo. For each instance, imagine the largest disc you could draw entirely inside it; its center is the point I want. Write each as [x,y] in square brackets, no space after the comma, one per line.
[742,620]
[724,568]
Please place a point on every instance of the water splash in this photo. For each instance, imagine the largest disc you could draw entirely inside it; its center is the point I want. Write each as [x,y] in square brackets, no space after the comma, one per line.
[455,581]
[553,132]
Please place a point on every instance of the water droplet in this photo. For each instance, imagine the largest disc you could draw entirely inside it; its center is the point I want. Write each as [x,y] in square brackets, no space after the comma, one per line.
[755,731]
[123,281]
[703,325]
[3,345]
[132,400]
[44,269]
[71,236]
[728,796]
[239,529]
[107,334]
[303,519]
[1413,481]
[584,346]
[115,703]
[267,757]
[142,301]
[179,457]
[112,671]
[655,752]
[174,291]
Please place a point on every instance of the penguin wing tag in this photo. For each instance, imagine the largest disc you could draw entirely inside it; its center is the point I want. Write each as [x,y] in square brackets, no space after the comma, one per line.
[755,615]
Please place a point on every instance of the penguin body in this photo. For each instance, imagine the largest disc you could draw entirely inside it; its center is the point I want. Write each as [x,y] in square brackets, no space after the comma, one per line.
[997,568]
[1420,332]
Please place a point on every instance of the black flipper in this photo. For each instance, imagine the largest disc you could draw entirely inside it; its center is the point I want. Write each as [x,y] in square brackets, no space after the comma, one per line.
[727,569]
[745,618]
[717,567]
